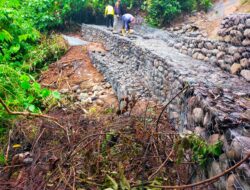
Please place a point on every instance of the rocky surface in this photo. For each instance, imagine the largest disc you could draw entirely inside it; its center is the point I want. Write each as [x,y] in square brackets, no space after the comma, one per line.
[235,29]
[233,47]
[215,106]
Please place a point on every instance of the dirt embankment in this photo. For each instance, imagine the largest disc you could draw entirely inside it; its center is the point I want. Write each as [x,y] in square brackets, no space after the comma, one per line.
[99,146]
[209,22]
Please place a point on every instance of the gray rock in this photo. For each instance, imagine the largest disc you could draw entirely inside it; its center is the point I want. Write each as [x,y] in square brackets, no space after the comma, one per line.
[234,183]
[78,91]
[241,147]
[64,91]
[200,56]
[245,63]
[244,171]
[160,68]
[200,132]
[28,160]
[200,45]
[246,42]
[209,45]
[229,59]
[213,139]
[220,55]
[178,45]
[207,122]
[246,54]
[83,96]
[245,74]
[75,88]
[236,57]
[223,161]
[213,60]
[198,115]
[214,170]
[236,40]
[247,33]
[99,102]
[97,88]
[232,50]
[247,22]
[241,27]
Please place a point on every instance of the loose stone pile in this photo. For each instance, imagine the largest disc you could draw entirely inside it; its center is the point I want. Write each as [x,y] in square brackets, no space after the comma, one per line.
[235,29]
[231,53]
[216,106]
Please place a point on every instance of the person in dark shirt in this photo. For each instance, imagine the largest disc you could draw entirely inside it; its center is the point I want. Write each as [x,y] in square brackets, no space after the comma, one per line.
[118,13]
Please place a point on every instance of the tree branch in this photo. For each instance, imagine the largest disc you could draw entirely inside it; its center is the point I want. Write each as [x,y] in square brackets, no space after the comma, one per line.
[207,181]
[53,119]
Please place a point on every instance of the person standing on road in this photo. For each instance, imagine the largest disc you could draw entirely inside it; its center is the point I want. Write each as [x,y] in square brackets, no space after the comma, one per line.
[118,14]
[109,15]
[126,20]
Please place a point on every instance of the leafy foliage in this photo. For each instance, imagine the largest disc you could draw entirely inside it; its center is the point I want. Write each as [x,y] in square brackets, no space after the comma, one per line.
[162,11]
[23,52]
[202,152]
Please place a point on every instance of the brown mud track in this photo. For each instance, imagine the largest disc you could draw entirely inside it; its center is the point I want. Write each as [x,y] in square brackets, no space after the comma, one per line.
[72,69]
[97,143]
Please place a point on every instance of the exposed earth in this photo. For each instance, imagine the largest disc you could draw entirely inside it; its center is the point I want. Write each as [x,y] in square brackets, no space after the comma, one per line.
[101,136]
[97,139]
[208,23]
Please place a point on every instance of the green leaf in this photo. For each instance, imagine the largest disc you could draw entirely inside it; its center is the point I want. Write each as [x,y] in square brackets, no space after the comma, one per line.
[112,183]
[2,159]
[123,182]
[5,36]
[45,92]
[25,85]
[30,99]
[32,108]
[56,95]
[14,49]
[36,86]
[23,37]
[24,78]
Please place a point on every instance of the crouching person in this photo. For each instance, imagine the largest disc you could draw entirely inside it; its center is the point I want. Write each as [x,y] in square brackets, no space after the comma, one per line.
[127,19]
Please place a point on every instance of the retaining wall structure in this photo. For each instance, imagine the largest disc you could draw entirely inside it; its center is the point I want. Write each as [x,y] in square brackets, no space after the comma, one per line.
[231,53]
[216,106]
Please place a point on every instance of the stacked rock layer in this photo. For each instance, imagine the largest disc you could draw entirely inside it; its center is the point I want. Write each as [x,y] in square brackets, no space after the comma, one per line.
[216,106]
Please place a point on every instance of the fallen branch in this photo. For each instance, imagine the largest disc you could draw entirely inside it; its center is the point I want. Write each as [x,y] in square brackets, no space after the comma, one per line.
[53,119]
[158,120]
[24,113]
[207,181]
[153,174]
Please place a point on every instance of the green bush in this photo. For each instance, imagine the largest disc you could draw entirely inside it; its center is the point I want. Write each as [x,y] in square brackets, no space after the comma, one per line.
[22,54]
[188,5]
[205,4]
[162,11]
[159,12]
[17,36]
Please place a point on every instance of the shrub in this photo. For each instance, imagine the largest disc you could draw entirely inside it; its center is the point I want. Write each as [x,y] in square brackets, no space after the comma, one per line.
[161,11]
